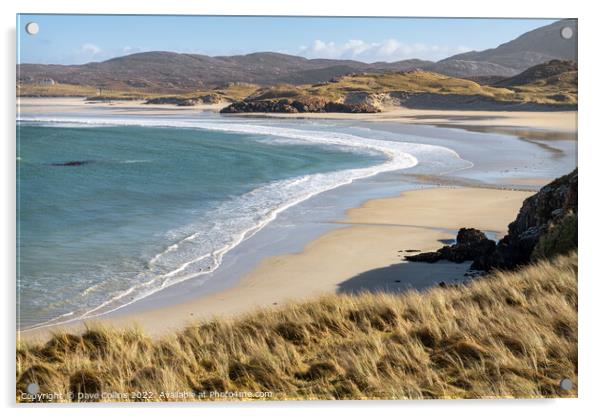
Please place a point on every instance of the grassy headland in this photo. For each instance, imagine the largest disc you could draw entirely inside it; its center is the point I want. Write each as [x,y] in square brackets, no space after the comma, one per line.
[509,334]
[549,86]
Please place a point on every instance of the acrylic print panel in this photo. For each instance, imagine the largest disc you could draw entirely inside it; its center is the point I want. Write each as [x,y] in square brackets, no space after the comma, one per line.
[325,208]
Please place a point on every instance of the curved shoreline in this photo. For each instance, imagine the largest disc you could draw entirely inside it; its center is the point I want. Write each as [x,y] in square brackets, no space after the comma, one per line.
[342,259]
[426,235]
[397,159]
[560,121]
[401,155]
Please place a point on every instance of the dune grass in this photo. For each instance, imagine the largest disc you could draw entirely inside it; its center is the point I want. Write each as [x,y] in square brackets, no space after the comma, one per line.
[411,81]
[560,89]
[510,334]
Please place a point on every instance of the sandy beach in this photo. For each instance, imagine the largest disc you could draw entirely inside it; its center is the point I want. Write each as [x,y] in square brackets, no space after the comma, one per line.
[60,105]
[365,255]
[341,260]
[562,121]
[558,121]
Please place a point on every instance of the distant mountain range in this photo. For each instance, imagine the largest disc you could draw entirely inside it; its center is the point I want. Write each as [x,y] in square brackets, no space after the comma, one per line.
[174,72]
[532,48]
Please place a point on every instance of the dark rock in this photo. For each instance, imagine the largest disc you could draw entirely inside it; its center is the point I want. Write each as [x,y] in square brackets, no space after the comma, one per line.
[211,99]
[287,105]
[72,163]
[430,257]
[546,225]
[551,212]
[470,245]
[181,102]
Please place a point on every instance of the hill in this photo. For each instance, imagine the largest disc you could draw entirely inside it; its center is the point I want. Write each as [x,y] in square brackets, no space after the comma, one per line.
[160,72]
[369,93]
[554,72]
[165,72]
[535,47]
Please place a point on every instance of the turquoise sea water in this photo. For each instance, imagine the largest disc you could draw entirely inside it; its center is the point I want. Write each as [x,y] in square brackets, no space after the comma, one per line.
[145,207]
[115,208]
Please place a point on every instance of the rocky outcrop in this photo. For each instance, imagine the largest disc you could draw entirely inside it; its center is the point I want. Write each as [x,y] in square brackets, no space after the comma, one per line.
[264,106]
[545,226]
[188,101]
[376,100]
[287,105]
[181,102]
[211,99]
[543,221]
[470,245]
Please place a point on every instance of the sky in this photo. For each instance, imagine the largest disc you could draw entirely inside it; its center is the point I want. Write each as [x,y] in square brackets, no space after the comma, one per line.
[77,39]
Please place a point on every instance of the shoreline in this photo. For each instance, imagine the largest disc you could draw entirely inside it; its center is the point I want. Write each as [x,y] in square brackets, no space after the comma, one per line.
[374,241]
[558,121]
[364,254]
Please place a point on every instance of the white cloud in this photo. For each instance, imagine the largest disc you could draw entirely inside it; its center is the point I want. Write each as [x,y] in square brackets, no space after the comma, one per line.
[387,50]
[90,48]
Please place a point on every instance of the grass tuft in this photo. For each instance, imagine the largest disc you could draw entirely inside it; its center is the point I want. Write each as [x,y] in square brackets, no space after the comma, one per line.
[85,386]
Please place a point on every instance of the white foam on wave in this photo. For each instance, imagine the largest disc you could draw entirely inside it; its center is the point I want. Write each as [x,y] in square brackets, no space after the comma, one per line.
[201,251]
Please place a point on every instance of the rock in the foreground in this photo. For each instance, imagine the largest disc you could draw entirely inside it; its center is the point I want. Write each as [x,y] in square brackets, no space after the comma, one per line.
[545,226]
[470,244]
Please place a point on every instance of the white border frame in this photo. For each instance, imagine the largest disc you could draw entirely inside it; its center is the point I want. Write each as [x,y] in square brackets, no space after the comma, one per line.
[589,153]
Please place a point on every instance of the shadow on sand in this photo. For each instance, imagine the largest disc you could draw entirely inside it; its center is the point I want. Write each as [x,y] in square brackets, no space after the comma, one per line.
[404,276]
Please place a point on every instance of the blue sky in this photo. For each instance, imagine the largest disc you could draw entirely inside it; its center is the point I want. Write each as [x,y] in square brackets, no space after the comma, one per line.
[76,39]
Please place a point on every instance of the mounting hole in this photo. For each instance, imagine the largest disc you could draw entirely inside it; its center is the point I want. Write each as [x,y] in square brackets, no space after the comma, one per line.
[566,32]
[566,384]
[32,28]
[33,388]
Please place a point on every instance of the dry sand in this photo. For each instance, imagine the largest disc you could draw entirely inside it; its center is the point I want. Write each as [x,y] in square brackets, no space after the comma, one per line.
[365,255]
[42,105]
[559,121]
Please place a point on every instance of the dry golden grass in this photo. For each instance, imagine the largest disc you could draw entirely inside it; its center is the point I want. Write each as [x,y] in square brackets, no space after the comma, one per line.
[412,81]
[56,90]
[505,335]
[557,90]
[561,88]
